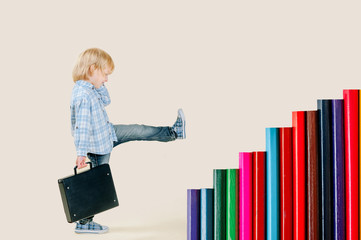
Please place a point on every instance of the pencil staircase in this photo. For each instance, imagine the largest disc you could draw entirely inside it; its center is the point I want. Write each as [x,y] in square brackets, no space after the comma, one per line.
[305,185]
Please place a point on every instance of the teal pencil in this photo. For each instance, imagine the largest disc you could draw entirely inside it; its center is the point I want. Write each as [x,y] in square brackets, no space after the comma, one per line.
[272,184]
[219,186]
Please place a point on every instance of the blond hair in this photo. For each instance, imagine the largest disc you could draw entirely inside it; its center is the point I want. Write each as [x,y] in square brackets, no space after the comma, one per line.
[92,56]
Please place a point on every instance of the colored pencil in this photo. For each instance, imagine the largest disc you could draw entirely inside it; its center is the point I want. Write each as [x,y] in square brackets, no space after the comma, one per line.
[206,214]
[338,163]
[272,184]
[299,175]
[325,115]
[259,195]
[245,196]
[312,175]
[193,214]
[220,193]
[351,105]
[286,211]
[232,204]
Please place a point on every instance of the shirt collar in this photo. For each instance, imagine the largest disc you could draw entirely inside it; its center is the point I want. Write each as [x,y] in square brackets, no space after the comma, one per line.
[85,84]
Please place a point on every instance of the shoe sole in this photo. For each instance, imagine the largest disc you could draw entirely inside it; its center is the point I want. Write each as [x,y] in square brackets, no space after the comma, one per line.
[92,232]
[180,112]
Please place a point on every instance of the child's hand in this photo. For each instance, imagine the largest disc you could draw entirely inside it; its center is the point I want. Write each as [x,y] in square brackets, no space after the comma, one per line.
[80,162]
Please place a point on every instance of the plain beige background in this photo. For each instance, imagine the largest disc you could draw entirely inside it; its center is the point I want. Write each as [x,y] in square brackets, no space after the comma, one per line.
[235,67]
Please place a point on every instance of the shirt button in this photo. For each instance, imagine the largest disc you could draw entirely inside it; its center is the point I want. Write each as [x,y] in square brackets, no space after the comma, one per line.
[107,121]
[98,98]
[76,127]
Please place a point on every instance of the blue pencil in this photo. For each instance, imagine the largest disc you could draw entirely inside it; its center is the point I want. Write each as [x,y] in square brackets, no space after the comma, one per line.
[206,214]
[272,184]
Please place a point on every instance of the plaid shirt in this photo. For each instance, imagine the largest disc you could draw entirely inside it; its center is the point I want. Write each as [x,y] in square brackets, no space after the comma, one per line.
[90,126]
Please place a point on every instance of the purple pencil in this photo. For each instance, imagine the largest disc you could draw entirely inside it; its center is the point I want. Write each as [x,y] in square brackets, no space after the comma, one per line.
[338,163]
[193,214]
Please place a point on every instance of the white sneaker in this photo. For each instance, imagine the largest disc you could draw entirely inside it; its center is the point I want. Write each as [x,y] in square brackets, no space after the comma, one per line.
[180,125]
[90,227]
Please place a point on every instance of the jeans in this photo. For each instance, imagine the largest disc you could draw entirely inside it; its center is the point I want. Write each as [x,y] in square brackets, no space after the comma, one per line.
[133,132]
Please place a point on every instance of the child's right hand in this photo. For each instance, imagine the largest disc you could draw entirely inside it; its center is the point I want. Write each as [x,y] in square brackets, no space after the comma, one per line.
[80,162]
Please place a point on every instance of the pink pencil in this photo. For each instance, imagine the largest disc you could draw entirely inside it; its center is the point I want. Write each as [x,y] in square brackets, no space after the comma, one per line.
[245,196]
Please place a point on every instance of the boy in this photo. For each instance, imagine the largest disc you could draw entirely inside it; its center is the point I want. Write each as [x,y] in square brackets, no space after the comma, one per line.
[94,135]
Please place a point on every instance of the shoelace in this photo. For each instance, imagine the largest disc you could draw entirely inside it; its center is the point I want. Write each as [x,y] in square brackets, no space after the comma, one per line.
[178,123]
[94,224]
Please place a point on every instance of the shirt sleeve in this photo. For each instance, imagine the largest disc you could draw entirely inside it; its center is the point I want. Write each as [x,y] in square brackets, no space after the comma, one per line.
[103,92]
[82,127]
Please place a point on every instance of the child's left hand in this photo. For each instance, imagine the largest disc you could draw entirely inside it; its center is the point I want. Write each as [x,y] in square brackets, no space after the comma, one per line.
[80,162]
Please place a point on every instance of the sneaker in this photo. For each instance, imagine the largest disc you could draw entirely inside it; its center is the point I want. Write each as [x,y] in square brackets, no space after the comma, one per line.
[90,227]
[180,125]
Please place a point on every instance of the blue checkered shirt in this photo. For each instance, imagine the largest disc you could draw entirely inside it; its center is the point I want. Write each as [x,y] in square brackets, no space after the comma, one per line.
[90,126]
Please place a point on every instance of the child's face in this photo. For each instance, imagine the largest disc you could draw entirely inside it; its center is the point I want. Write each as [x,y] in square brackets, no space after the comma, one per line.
[99,77]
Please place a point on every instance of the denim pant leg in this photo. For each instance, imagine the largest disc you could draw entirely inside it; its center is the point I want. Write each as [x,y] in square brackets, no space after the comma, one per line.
[96,160]
[133,132]
[136,132]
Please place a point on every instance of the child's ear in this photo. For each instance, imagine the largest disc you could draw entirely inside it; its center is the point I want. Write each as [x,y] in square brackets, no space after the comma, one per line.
[91,69]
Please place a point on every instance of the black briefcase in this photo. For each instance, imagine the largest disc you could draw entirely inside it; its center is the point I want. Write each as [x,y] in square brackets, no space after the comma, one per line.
[88,193]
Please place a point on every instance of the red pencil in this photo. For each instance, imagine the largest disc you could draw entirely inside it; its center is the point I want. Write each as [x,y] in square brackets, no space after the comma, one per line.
[286,216]
[351,164]
[299,175]
[259,192]
[312,175]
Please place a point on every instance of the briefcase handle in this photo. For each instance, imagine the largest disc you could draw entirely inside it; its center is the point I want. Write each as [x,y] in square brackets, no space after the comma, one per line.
[90,163]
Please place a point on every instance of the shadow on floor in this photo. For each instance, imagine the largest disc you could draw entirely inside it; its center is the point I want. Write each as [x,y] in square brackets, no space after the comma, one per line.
[172,229]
